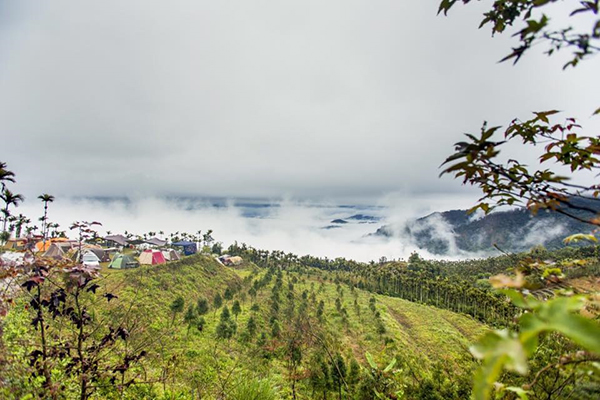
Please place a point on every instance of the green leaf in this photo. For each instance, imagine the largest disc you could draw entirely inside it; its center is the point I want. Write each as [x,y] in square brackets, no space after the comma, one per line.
[453,157]
[559,315]
[486,376]
[370,360]
[499,350]
[519,392]
[543,115]
[502,343]
[488,133]
[390,366]
[519,300]
[445,5]
[580,330]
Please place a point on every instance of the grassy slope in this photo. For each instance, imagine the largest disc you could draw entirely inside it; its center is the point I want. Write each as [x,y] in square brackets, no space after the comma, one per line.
[418,333]
[158,285]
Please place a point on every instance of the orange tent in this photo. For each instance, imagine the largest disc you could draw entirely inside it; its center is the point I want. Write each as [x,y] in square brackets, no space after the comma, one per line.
[39,246]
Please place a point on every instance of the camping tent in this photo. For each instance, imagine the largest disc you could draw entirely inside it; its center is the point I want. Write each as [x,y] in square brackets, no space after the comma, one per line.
[102,254]
[12,257]
[171,255]
[40,246]
[123,261]
[16,243]
[189,248]
[55,251]
[91,259]
[236,260]
[152,257]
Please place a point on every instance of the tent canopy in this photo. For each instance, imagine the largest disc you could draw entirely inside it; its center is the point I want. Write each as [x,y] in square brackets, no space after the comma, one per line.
[189,248]
[118,239]
[156,242]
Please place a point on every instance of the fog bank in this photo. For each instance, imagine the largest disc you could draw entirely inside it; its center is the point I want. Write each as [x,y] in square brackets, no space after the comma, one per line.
[301,227]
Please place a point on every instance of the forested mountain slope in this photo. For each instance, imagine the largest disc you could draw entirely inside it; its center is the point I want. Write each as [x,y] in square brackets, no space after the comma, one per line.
[516,230]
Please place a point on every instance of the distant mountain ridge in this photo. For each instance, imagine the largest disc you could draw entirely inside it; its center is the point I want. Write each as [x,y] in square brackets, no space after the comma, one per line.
[514,230]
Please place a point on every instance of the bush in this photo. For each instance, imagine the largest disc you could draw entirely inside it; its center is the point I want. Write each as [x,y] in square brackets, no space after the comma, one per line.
[255,389]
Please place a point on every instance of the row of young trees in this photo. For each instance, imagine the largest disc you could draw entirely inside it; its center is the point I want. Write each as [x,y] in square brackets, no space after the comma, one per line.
[460,286]
[293,326]
[418,280]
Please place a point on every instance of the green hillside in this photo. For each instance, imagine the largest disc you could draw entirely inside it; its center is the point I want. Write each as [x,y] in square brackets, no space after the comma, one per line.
[183,362]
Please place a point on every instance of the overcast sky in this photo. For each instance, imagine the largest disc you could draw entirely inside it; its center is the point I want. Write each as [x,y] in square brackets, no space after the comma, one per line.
[337,99]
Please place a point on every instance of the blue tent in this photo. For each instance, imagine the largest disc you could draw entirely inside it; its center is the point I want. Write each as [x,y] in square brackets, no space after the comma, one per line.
[189,248]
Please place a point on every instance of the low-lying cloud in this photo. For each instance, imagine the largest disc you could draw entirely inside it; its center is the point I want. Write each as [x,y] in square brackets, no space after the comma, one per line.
[289,225]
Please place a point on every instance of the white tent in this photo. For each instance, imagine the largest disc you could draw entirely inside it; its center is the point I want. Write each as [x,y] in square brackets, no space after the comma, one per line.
[12,257]
[171,255]
[91,259]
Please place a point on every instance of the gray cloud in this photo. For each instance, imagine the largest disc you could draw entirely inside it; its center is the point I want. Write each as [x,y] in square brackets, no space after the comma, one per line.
[263,98]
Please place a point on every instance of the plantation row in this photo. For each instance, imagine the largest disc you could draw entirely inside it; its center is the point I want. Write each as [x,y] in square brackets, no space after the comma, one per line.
[459,286]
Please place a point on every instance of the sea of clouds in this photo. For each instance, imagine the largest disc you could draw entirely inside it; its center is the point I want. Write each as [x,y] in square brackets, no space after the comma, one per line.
[298,226]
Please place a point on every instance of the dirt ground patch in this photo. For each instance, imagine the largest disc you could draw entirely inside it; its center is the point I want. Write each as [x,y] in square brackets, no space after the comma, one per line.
[400,318]
[588,284]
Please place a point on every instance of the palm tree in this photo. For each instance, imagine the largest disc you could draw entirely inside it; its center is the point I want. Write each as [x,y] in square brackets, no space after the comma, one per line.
[45,198]
[9,199]
[55,232]
[5,175]
[20,221]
